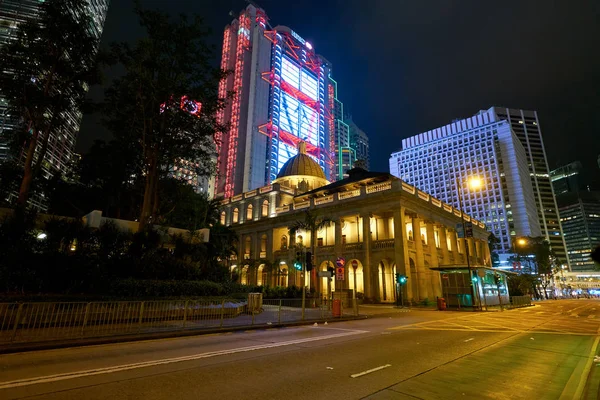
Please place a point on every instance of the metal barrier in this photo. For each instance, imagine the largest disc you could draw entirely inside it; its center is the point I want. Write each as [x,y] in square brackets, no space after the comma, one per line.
[520,301]
[36,322]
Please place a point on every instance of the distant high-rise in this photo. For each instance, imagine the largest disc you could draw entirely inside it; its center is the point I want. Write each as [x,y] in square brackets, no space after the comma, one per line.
[526,125]
[565,179]
[580,219]
[59,154]
[359,142]
[441,162]
[344,155]
[284,94]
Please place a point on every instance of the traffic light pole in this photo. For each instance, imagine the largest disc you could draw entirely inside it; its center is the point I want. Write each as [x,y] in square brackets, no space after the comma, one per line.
[303,283]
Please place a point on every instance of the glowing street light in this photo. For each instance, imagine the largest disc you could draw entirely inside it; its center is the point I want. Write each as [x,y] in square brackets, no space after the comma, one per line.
[473,183]
[521,242]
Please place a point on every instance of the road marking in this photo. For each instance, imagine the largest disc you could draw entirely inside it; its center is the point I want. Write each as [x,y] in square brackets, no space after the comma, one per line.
[125,367]
[586,370]
[370,370]
[468,340]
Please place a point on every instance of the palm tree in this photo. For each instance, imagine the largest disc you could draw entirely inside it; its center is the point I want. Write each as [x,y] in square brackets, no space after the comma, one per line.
[311,223]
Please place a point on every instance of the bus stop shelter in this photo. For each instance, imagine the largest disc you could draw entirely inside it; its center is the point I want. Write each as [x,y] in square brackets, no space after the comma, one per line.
[489,284]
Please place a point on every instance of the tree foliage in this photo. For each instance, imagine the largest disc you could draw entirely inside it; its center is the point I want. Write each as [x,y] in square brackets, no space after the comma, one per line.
[152,107]
[51,62]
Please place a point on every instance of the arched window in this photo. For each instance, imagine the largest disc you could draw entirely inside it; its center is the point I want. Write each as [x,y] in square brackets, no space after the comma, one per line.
[236,215]
[265,208]
[263,243]
[249,213]
[222,217]
[284,242]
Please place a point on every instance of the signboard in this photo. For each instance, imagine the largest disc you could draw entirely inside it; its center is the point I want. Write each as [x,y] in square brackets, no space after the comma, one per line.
[339,274]
[459,230]
[469,229]
[340,262]
[354,263]
[325,274]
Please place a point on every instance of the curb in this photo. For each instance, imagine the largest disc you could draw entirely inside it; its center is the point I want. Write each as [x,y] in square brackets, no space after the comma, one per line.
[136,337]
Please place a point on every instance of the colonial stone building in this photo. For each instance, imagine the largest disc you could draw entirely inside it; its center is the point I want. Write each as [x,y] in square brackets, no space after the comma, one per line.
[380,226]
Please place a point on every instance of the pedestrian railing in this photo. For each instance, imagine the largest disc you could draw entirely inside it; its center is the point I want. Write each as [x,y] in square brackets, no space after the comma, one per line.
[520,301]
[35,322]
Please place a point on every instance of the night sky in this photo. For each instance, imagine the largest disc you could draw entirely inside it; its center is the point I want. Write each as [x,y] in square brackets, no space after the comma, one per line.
[404,67]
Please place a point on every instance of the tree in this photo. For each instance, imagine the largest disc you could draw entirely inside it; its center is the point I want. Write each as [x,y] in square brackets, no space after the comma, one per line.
[311,223]
[166,102]
[51,62]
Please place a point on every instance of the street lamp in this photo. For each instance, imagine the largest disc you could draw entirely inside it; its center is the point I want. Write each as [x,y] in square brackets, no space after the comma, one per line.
[474,183]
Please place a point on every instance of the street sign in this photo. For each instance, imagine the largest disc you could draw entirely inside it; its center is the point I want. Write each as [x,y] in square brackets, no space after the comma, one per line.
[339,274]
[340,262]
[325,274]
[459,230]
[469,229]
[354,263]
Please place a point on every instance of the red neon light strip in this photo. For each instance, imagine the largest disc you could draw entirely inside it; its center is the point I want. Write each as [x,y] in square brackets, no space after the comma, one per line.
[297,94]
[242,43]
[222,95]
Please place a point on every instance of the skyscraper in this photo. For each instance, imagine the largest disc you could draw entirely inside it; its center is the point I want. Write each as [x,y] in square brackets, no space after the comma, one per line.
[283,95]
[344,155]
[441,162]
[565,179]
[526,125]
[359,142]
[61,145]
[580,219]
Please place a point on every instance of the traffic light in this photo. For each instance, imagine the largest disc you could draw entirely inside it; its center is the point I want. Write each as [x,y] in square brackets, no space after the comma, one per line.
[309,264]
[297,262]
[401,279]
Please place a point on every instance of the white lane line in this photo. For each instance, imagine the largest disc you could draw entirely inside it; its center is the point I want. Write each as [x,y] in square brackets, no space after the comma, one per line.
[370,370]
[468,340]
[125,367]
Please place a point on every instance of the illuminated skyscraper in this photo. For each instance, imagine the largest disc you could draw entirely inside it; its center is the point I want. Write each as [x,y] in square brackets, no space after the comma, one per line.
[518,176]
[283,94]
[61,145]
[441,162]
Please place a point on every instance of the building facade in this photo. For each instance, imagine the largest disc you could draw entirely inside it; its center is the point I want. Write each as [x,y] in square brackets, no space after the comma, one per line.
[283,94]
[61,145]
[359,142]
[580,219]
[379,226]
[344,154]
[442,161]
[565,179]
[526,125]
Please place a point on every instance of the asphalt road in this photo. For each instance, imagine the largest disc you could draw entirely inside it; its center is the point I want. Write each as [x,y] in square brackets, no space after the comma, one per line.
[541,352]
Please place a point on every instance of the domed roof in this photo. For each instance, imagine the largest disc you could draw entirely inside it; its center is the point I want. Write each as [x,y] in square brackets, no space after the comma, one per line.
[301,164]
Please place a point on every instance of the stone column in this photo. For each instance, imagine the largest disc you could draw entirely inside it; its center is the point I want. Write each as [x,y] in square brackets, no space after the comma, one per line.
[462,242]
[454,242]
[472,250]
[421,277]
[401,252]
[487,257]
[433,277]
[444,245]
[369,273]
[270,245]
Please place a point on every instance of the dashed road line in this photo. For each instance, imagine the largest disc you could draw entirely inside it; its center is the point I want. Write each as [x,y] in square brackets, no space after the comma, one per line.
[369,371]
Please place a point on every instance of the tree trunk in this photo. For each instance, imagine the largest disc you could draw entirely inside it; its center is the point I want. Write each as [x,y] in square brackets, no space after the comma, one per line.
[148,194]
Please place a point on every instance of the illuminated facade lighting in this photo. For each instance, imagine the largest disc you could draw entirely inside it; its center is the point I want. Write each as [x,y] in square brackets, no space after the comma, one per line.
[475,147]
[281,98]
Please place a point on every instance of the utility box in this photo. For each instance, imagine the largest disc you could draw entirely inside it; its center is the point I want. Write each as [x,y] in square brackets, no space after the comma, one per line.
[255,303]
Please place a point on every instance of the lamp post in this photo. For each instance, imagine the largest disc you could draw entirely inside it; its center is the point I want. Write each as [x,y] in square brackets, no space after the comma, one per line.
[475,184]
